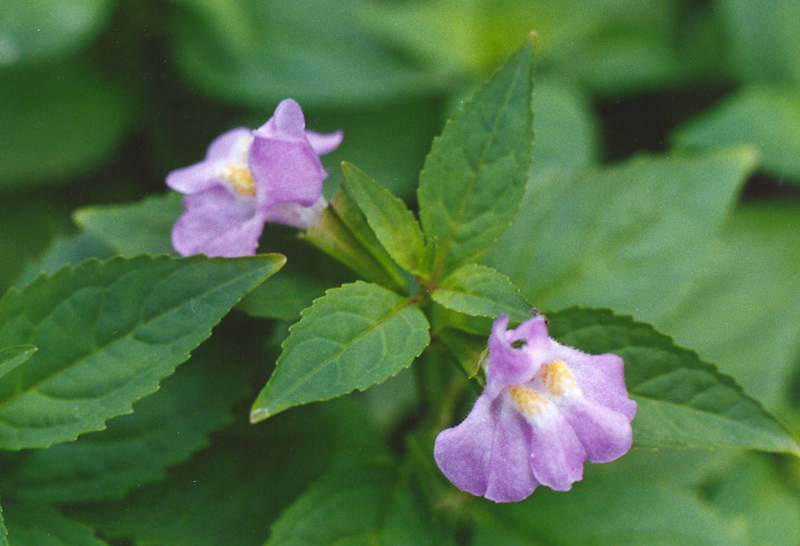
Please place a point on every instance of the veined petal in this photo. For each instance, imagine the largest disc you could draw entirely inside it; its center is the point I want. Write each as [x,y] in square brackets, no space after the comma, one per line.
[217,223]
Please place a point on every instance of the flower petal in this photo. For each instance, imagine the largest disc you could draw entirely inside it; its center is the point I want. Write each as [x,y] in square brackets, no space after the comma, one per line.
[510,364]
[600,378]
[292,214]
[228,148]
[605,434]
[510,474]
[287,123]
[557,454]
[324,143]
[464,452]
[285,171]
[217,223]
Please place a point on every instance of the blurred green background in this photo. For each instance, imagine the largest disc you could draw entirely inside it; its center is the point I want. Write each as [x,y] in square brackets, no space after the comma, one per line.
[100,99]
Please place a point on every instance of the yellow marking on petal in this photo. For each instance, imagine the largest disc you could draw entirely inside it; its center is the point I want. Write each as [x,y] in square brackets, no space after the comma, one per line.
[557,377]
[241,181]
[528,402]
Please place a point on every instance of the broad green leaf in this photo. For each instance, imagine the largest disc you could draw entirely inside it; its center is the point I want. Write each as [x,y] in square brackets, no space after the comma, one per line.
[683,402]
[354,337]
[474,178]
[164,429]
[628,237]
[284,297]
[11,357]
[108,333]
[393,224]
[42,525]
[481,291]
[762,501]
[367,504]
[231,493]
[766,118]
[66,107]
[222,48]
[763,43]
[134,228]
[38,31]
[607,508]
[742,312]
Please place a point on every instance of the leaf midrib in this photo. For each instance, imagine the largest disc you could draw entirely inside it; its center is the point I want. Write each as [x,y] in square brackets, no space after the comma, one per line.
[471,185]
[113,341]
[392,312]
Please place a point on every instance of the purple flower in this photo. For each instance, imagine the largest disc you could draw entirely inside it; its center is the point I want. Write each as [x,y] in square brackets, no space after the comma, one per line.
[546,409]
[248,178]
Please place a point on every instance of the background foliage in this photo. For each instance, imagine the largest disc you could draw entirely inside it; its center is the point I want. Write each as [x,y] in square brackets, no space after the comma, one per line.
[665,184]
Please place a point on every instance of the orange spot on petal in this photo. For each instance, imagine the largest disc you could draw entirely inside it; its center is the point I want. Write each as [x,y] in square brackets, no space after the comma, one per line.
[557,377]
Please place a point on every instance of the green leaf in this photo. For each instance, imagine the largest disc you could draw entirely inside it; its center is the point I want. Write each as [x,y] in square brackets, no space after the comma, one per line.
[763,43]
[222,46]
[11,357]
[354,337]
[36,31]
[607,508]
[391,221]
[766,118]
[627,237]
[742,312]
[107,333]
[164,429]
[683,402]
[342,232]
[763,503]
[66,107]
[134,228]
[475,175]
[258,471]
[42,525]
[481,291]
[361,504]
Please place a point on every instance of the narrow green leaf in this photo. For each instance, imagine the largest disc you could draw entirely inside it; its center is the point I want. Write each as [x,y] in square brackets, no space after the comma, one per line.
[764,117]
[11,357]
[354,337]
[628,237]
[481,291]
[475,175]
[164,429]
[108,333]
[42,525]
[683,402]
[391,221]
[342,233]
[134,228]
[469,349]
[362,504]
